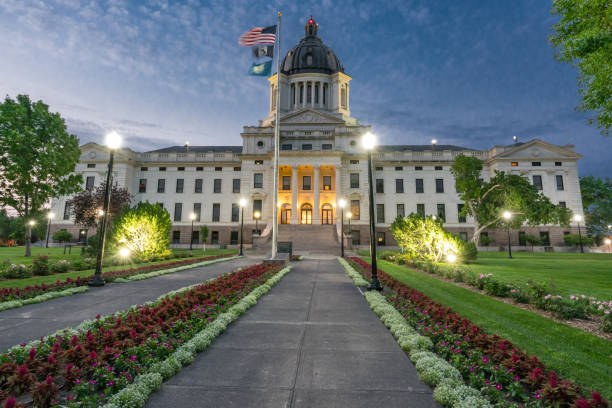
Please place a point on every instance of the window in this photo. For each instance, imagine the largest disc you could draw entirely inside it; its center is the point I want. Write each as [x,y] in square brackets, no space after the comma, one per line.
[418,168]
[355,209]
[91,165]
[199,168]
[142,186]
[180,168]
[235,185]
[214,237]
[399,185]
[353,143]
[144,168]
[195,237]
[216,212]
[260,143]
[522,240]
[459,209]
[218,168]
[514,164]
[217,186]
[178,211]
[180,183]
[257,205]
[399,168]
[421,210]
[197,210]
[307,146]
[463,235]
[198,186]
[379,168]
[67,211]
[286,146]
[235,213]
[545,238]
[380,213]
[400,210]
[354,180]
[439,185]
[162,169]
[354,161]
[558,164]
[258,180]
[562,204]
[419,185]
[438,167]
[326,146]
[89,183]
[380,238]
[233,237]
[356,237]
[161,185]
[484,234]
[380,186]
[442,212]
[537,182]
[259,162]
[176,237]
[536,164]
[327,183]
[238,168]
[286,183]
[559,183]
[306,183]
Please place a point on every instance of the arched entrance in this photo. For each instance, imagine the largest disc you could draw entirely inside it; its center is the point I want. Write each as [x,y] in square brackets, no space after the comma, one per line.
[327,214]
[285,213]
[306,214]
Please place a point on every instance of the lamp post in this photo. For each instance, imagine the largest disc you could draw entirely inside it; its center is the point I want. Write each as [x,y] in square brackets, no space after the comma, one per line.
[349,215]
[192,217]
[257,216]
[113,142]
[578,218]
[342,203]
[369,141]
[507,217]
[608,242]
[243,203]
[434,142]
[49,218]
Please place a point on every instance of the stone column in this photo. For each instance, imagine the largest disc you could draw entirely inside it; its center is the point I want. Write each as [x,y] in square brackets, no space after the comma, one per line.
[294,195]
[317,188]
[312,86]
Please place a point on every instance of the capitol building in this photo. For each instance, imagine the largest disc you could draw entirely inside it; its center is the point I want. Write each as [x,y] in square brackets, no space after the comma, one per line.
[321,162]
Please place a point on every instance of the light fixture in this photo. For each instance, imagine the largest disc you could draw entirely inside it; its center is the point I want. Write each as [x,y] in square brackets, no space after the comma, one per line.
[31,222]
[577,217]
[515,138]
[113,140]
[368,141]
[192,216]
[607,241]
[50,215]
[342,202]
[256,214]
[100,212]
[451,258]
[507,215]
[433,217]
[434,142]
[349,215]
[243,202]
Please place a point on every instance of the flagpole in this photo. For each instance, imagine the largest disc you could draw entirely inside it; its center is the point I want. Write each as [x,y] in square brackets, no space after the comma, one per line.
[276,144]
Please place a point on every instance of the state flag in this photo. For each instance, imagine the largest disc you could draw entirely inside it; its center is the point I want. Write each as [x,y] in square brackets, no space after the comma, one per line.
[262,69]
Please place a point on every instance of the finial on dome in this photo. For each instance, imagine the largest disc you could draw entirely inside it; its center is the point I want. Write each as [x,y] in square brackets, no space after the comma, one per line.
[311,28]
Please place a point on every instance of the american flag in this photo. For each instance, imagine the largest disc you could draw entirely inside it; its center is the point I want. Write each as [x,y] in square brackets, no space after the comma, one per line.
[258,35]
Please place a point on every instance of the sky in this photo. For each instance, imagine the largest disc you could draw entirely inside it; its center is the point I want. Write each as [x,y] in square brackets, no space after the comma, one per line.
[471,73]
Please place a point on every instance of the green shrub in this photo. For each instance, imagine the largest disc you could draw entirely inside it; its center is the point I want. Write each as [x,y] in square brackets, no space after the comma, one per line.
[40,265]
[574,240]
[424,238]
[496,288]
[468,252]
[62,236]
[17,271]
[60,266]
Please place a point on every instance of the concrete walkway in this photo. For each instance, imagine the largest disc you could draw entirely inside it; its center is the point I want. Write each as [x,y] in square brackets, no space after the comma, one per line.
[33,321]
[312,341]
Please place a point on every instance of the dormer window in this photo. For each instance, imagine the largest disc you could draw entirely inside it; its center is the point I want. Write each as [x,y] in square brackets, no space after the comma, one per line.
[309,59]
[260,143]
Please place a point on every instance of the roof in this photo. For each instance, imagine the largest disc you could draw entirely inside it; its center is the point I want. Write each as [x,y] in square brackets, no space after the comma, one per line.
[198,149]
[418,148]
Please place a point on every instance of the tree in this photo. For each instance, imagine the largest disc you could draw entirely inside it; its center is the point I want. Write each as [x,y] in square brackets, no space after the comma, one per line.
[424,238]
[204,235]
[597,204]
[37,157]
[62,235]
[486,201]
[583,38]
[86,204]
[575,239]
[144,229]
[532,240]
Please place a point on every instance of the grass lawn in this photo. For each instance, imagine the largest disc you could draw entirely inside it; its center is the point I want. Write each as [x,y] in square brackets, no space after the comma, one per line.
[57,253]
[573,353]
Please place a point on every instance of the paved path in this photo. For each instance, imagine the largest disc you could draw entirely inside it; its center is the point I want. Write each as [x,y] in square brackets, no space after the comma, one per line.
[312,341]
[33,321]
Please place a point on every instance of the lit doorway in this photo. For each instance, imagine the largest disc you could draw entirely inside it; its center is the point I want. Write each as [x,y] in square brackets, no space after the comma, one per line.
[306,214]
[285,213]
[327,214]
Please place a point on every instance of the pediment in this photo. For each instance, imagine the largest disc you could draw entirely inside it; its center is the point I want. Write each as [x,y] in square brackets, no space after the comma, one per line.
[537,149]
[93,151]
[308,116]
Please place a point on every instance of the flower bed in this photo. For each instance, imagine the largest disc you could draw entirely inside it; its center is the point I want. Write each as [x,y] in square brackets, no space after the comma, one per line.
[536,294]
[14,293]
[504,374]
[123,357]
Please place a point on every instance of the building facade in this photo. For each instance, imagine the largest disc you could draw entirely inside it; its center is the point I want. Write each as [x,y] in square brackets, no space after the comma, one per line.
[321,162]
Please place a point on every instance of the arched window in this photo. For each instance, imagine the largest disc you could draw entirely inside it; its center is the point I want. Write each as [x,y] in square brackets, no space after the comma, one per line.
[306,214]
[327,214]
[309,94]
[285,213]
[343,97]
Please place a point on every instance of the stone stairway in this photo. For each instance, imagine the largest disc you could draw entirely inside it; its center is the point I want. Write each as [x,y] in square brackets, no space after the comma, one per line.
[306,239]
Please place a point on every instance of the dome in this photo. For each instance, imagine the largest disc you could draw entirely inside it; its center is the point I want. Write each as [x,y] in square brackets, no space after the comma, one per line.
[311,55]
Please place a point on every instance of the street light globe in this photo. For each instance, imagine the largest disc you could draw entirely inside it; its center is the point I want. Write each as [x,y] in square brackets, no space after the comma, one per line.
[257,214]
[577,217]
[433,217]
[507,215]
[50,215]
[609,226]
[113,140]
[434,141]
[607,241]
[31,222]
[349,214]
[243,202]
[342,202]
[192,216]
[368,141]
[100,212]
[451,258]
[124,252]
